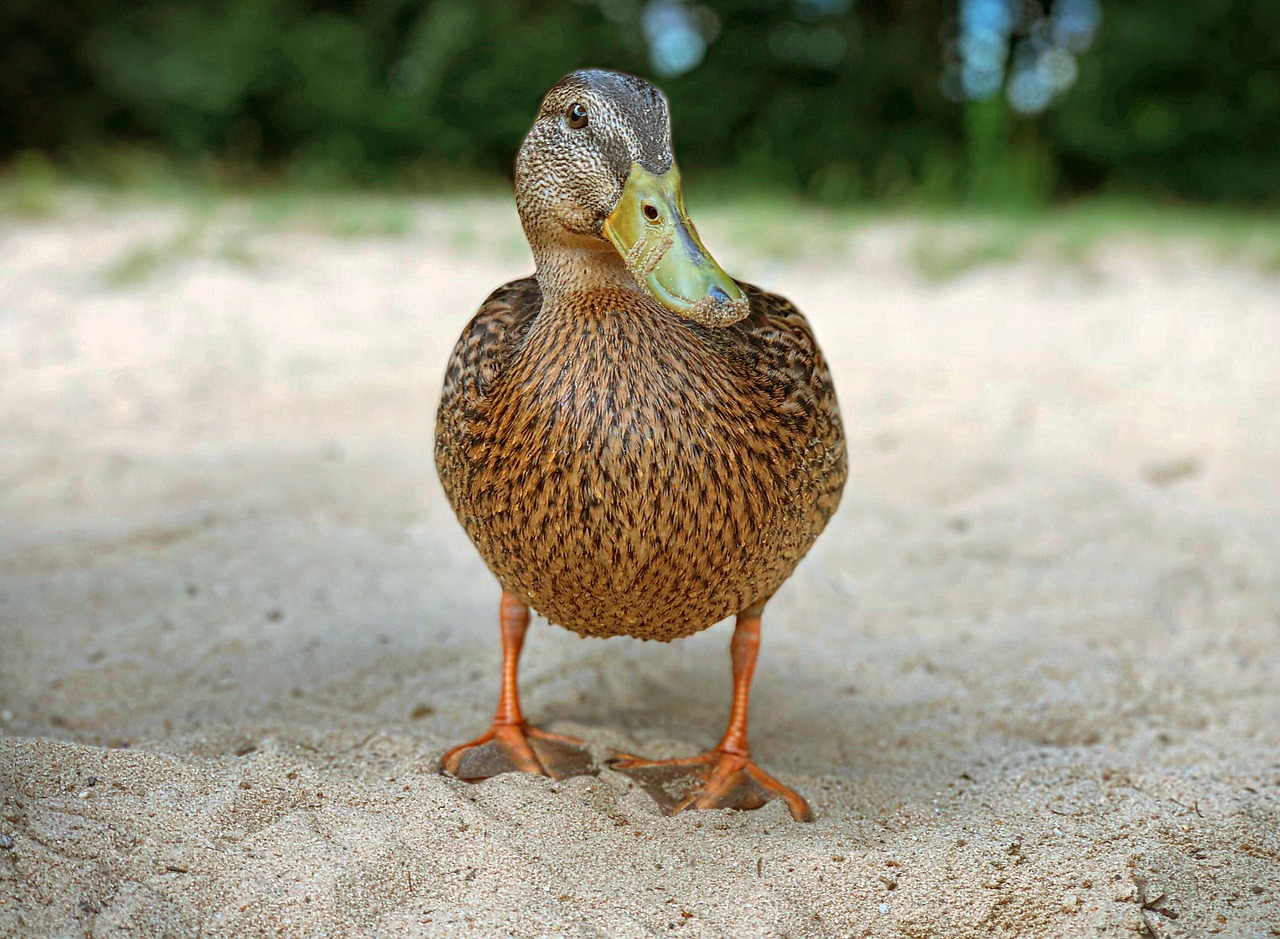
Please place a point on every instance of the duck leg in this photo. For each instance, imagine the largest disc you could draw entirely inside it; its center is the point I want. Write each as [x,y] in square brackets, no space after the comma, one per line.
[512,744]
[726,777]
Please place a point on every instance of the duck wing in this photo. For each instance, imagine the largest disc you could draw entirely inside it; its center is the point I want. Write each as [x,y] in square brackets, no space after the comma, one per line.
[479,360]
[777,348]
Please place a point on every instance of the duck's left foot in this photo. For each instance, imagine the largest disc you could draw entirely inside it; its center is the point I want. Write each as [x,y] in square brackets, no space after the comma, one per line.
[715,780]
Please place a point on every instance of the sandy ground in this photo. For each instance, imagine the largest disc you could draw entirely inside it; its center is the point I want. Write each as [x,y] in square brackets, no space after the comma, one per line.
[1029,679]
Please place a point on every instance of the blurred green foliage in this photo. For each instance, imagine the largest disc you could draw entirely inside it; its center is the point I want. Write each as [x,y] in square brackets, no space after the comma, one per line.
[1179,98]
[1174,99]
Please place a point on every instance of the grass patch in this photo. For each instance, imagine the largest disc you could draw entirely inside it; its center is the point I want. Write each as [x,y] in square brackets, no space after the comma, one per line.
[29,188]
[197,237]
[1076,234]
[136,265]
[237,251]
[144,261]
[1269,259]
[943,254]
[778,228]
[336,215]
[1078,229]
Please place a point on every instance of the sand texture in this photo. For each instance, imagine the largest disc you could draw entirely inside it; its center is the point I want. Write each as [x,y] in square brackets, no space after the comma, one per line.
[1029,678]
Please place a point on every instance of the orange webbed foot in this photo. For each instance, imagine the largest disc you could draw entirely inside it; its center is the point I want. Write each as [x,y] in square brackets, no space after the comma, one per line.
[518,748]
[717,779]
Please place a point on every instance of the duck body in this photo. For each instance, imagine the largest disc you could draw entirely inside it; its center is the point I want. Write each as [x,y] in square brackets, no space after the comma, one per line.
[638,444]
[629,472]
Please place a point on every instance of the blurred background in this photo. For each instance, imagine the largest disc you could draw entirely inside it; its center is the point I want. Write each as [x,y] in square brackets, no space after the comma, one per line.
[955,102]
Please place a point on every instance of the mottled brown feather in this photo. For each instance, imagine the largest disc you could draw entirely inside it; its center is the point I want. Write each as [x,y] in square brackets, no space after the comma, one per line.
[629,472]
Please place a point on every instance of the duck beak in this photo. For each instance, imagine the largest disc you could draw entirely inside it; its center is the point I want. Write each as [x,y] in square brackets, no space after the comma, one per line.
[661,248]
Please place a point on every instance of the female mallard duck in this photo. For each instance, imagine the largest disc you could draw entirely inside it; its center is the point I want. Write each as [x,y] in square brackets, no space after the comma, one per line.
[637,444]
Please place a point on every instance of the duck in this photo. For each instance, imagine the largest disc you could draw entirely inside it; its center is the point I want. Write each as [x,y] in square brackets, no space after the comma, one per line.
[636,443]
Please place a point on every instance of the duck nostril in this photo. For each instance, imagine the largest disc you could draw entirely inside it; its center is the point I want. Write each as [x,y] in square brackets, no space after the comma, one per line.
[650,211]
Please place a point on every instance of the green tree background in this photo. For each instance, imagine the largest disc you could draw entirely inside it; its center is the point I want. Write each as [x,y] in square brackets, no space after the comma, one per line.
[839,101]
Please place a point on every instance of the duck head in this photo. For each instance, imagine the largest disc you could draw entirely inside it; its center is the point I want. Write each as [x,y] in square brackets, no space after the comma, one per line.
[599,196]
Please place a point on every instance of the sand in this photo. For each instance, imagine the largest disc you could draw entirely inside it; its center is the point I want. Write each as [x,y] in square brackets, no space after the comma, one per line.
[1029,678]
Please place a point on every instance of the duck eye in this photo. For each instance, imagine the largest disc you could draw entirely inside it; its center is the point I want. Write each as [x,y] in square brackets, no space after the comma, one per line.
[577,115]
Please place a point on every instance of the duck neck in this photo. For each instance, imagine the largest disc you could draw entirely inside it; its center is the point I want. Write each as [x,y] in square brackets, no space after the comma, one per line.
[575,265]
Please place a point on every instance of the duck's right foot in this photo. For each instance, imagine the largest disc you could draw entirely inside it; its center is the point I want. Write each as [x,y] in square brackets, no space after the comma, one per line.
[518,748]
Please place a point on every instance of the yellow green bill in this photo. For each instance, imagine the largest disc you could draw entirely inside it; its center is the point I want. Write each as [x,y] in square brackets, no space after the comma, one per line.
[661,249]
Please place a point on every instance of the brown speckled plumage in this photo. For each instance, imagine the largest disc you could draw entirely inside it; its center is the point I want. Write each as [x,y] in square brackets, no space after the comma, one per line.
[629,472]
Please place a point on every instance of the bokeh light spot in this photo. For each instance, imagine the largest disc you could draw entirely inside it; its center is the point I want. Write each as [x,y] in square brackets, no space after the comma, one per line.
[676,45]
